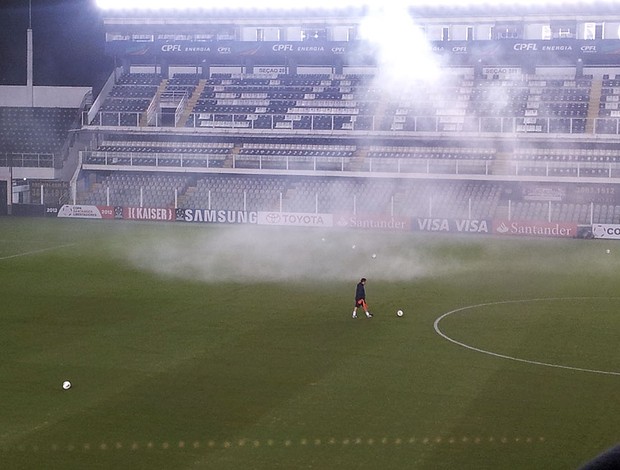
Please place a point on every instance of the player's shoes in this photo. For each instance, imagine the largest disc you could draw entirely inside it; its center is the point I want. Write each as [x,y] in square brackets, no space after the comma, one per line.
[369,315]
[354,316]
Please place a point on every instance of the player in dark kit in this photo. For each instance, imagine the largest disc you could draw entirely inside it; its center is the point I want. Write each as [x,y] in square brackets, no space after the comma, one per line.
[360,298]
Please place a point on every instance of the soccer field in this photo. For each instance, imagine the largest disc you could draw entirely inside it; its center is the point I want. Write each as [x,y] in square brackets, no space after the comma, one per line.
[225,348]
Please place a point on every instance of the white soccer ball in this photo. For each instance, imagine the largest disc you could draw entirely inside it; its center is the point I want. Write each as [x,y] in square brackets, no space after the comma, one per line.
[399,313]
[374,255]
[66,385]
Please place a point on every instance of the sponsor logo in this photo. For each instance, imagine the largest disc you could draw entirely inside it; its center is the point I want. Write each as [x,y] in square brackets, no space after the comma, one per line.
[530,46]
[211,216]
[291,48]
[310,49]
[373,222]
[198,49]
[422,224]
[557,48]
[66,211]
[171,48]
[295,219]
[588,49]
[86,212]
[534,229]
[282,47]
[147,213]
[606,231]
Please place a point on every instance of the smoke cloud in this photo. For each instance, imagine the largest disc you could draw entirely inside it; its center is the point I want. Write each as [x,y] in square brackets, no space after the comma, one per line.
[267,254]
[405,59]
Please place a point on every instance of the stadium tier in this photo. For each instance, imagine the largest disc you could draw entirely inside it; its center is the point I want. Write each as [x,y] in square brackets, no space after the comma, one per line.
[527,103]
[34,137]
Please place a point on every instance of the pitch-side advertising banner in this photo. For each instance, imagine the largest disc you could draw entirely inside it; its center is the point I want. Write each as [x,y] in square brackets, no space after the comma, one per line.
[534,229]
[86,212]
[213,216]
[609,231]
[149,213]
[295,219]
[426,224]
[373,222]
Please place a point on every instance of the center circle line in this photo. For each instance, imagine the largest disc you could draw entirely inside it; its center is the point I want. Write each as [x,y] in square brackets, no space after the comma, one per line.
[511,358]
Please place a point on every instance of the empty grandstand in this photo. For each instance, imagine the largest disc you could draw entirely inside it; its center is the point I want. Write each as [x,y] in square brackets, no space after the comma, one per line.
[239,111]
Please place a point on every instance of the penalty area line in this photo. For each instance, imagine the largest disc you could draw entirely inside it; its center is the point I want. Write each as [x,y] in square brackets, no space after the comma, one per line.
[35,252]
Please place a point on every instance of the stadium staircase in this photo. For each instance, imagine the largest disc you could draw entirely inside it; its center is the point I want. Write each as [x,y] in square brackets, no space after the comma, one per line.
[145,119]
[593,105]
[358,160]
[183,197]
[228,162]
[191,103]
[502,164]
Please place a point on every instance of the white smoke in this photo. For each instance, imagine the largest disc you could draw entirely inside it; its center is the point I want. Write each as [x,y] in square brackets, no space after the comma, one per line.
[405,59]
[268,254]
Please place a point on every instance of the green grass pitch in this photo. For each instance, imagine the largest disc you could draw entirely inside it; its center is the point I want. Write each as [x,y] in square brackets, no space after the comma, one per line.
[194,347]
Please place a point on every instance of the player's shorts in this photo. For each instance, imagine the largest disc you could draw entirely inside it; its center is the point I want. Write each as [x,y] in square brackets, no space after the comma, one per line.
[361,303]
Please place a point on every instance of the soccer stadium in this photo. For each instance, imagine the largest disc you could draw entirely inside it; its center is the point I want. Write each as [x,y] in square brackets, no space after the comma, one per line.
[180,245]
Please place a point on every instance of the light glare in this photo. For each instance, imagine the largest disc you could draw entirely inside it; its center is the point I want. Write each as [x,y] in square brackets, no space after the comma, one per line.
[228,5]
[327,4]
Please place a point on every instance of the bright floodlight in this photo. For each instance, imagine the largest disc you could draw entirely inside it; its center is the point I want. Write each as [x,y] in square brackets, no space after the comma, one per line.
[325,4]
[227,5]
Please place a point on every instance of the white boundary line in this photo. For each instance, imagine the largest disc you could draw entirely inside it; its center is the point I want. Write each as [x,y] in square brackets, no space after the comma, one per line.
[503,356]
[34,252]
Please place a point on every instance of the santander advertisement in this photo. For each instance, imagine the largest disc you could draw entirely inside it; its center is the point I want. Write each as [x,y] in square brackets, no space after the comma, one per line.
[534,229]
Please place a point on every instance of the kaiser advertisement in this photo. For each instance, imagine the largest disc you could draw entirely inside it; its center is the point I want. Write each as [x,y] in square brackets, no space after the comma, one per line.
[534,229]
[148,213]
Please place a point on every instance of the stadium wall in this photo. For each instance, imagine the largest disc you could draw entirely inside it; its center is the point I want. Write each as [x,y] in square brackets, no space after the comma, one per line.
[43,96]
